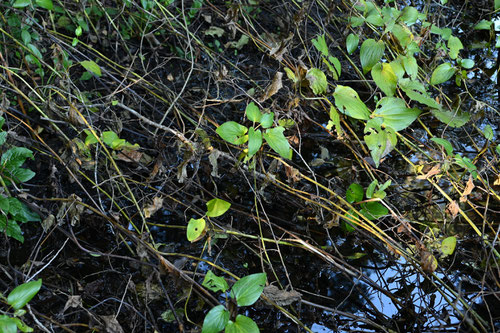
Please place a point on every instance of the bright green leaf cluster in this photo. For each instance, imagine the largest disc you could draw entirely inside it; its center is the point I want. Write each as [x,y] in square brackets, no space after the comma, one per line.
[17,299]
[111,139]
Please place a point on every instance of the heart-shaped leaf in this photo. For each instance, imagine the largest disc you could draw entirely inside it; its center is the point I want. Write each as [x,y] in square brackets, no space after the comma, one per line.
[385,78]
[371,52]
[247,290]
[233,132]
[216,207]
[278,142]
[195,229]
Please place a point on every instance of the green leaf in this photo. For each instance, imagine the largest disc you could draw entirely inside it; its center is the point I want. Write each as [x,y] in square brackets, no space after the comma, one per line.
[455,45]
[348,224]
[356,21]
[354,193]
[403,35]
[317,80]
[247,290]
[233,132]
[217,207]
[466,163]
[348,102]
[409,15]
[488,132]
[267,120]
[416,91]
[242,324]
[215,320]
[380,143]
[352,42]
[411,67]
[371,189]
[215,283]
[20,212]
[497,4]
[3,137]
[371,52]
[483,25]
[336,69]
[446,145]
[442,73]
[91,66]
[21,175]
[385,78]
[253,113]
[22,294]
[395,113]
[452,118]
[12,229]
[21,3]
[448,245]
[7,325]
[108,137]
[91,138]
[47,4]
[277,141]
[466,63]
[196,228]
[254,141]
[4,204]
[373,210]
[15,157]
[334,120]
[320,44]
[375,19]
[397,67]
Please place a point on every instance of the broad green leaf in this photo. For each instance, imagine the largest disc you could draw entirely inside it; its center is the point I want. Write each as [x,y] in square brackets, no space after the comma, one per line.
[409,15]
[380,144]
[317,81]
[20,212]
[242,324]
[385,78]
[497,4]
[21,3]
[466,163]
[352,42]
[26,36]
[373,210]
[7,324]
[403,35]
[216,207]
[483,25]
[395,113]
[452,118]
[488,132]
[348,102]
[215,283]
[277,141]
[334,120]
[20,324]
[253,113]
[411,67]
[3,137]
[12,229]
[267,120]
[320,44]
[397,67]
[15,157]
[215,320]
[375,19]
[108,137]
[195,229]
[348,224]
[446,145]
[371,52]
[23,293]
[354,193]
[47,4]
[233,132]
[291,75]
[356,21]
[448,245]
[442,73]
[455,45]
[91,66]
[254,141]
[21,175]
[466,63]
[416,91]
[247,290]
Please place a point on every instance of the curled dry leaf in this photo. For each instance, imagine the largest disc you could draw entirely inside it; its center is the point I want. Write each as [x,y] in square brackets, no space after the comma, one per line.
[468,189]
[452,209]
[434,171]
[273,88]
[154,207]
[281,297]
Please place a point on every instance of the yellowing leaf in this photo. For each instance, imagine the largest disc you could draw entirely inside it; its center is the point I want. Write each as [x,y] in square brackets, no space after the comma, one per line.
[91,66]
[195,229]
[385,78]
[317,80]
[448,245]
[216,207]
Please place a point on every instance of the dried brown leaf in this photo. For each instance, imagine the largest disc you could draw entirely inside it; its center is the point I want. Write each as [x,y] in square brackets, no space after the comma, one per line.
[453,209]
[273,88]
[434,171]
[154,207]
[468,189]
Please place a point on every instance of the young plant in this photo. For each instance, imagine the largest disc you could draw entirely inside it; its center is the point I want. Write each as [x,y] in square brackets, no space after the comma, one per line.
[237,134]
[111,139]
[17,299]
[245,292]
[197,228]
[13,211]
[370,208]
